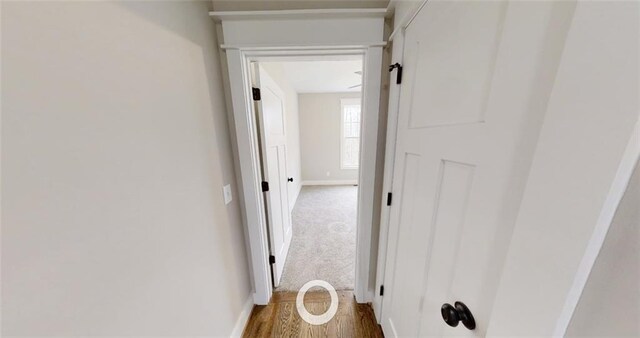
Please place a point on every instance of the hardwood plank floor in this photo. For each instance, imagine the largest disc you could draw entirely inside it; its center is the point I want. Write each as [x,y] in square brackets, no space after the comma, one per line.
[280,317]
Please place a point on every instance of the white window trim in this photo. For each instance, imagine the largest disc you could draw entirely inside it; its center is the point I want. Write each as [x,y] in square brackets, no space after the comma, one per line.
[346,102]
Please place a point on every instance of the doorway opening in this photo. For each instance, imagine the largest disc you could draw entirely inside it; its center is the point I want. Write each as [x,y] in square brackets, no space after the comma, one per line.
[308,115]
[243,62]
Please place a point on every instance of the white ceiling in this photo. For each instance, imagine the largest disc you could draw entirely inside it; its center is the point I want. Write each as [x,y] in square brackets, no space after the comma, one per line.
[323,76]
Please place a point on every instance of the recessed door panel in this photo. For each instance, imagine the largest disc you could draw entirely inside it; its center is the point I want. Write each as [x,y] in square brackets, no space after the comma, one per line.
[456,45]
[448,220]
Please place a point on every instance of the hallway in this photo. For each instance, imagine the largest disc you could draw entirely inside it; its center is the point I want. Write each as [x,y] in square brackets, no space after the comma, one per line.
[439,168]
[324,238]
[281,319]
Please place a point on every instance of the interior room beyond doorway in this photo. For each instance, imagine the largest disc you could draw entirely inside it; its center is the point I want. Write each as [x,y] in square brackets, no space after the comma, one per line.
[321,109]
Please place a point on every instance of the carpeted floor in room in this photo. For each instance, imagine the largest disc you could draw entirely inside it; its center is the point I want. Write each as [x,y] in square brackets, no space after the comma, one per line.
[324,238]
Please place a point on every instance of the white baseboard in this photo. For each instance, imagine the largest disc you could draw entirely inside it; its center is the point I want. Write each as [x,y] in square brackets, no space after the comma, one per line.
[334,182]
[243,318]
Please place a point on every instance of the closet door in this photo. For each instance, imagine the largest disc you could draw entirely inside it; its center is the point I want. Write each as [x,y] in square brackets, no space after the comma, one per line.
[471,105]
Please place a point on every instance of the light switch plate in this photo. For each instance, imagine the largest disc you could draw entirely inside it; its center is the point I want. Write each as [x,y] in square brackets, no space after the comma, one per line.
[227,194]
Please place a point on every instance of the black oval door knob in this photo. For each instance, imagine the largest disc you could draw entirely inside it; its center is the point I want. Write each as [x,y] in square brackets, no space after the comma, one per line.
[290,179]
[452,315]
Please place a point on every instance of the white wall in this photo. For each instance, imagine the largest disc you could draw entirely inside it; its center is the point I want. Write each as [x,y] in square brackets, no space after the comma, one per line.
[584,147]
[115,148]
[276,71]
[320,120]
[610,303]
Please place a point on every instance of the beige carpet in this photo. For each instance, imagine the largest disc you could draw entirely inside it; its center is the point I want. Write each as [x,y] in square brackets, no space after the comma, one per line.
[324,238]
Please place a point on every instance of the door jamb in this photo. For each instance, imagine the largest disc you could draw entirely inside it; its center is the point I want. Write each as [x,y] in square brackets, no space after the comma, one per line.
[387,183]
[238,60]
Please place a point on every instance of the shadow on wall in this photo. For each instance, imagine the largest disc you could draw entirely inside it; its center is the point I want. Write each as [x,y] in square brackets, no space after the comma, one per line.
[115,150]
[221,147]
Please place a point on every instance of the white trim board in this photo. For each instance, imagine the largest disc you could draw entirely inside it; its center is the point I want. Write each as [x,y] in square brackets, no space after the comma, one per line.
[332,182]
[302,47]
[300,14]
[243,318]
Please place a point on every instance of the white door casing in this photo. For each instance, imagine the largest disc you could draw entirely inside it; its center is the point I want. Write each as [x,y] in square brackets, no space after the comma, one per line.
[471,106]
[273,152]
[254,36]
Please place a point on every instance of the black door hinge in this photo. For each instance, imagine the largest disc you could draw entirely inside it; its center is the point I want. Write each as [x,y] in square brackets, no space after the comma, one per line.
[399,73]
[256,93]
[389,196]
[381,290]
[272,259]
[265,186]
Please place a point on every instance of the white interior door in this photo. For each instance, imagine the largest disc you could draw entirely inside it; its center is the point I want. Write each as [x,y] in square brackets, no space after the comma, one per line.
[471,105]
[273,147]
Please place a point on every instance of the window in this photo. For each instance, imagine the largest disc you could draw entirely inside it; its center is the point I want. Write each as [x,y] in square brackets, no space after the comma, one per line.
[350,141]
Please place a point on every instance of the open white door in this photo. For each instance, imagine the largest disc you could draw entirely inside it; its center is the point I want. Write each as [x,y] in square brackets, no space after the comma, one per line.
[471,106]
[273,153]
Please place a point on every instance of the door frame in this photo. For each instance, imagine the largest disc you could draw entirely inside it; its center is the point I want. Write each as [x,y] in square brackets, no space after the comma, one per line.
[238,62]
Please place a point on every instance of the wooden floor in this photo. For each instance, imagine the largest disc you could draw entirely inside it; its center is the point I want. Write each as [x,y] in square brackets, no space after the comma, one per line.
[281,319]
